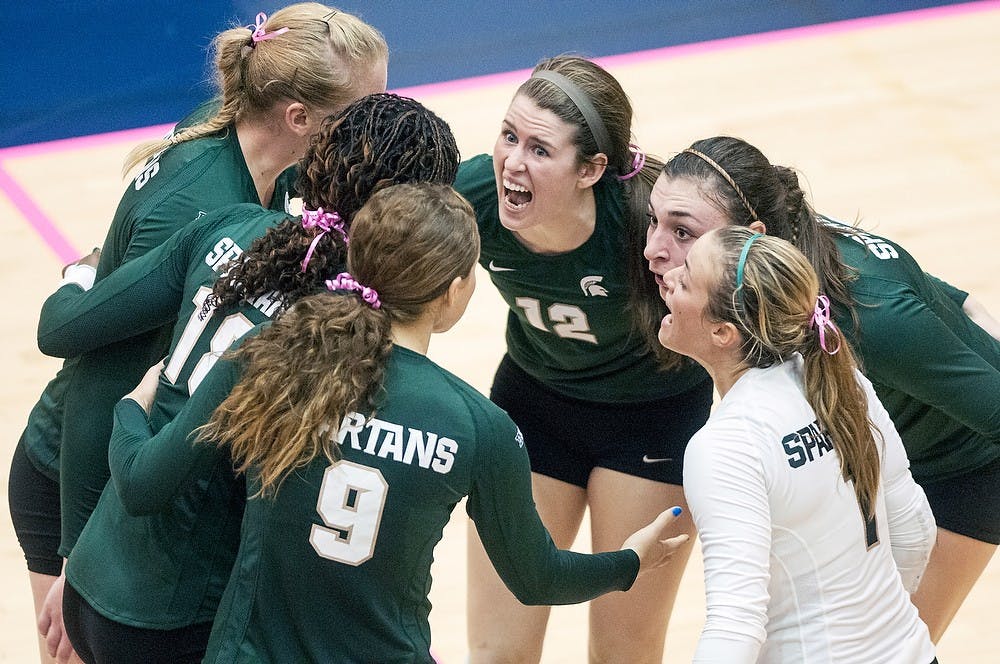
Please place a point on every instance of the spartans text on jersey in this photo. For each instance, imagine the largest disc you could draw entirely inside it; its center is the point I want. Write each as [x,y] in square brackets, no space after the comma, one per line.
[807,444]
[388,440]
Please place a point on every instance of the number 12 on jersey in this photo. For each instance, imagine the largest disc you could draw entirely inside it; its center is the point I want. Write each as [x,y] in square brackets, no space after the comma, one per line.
[568,321]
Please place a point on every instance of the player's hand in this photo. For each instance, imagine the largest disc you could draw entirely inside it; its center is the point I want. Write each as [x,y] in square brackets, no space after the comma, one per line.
[91,259]
[50,624]
[145,392]
[648,542]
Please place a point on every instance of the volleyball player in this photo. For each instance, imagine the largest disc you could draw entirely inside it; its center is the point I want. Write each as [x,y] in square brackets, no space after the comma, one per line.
[813,532]
[356,449]
[935,369]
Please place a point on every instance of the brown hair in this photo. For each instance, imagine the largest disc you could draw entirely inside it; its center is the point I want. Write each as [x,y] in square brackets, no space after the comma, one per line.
[326,356]
[741,182]
[316,62]
[773,311]
[614,109]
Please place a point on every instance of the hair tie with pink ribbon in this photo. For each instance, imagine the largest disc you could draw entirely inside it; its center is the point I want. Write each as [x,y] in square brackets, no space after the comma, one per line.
[260,33]
[638,161]
[326,222]
[345,282]
[822,322]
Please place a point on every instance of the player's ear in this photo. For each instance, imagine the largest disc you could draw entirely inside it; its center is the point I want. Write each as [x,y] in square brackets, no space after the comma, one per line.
[725,336]
[297,119]
[592,170]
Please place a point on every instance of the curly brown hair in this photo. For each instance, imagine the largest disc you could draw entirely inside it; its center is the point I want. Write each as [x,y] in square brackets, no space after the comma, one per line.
[326,356]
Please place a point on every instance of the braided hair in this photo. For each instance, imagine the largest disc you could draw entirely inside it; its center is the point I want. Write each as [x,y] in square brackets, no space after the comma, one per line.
[378,141]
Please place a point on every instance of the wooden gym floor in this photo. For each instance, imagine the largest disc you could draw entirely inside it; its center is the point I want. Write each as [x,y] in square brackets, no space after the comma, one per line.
[894,120]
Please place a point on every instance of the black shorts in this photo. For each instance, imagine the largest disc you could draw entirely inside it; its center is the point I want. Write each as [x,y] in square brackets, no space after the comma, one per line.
[33,499]
[968,504]
[99,639]
[567,438]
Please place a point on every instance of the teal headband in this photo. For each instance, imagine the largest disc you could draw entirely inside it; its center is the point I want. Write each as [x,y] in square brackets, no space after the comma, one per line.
[741,263]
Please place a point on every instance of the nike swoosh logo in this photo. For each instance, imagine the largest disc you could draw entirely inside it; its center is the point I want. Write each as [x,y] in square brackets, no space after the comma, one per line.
[647,459]
[496,268]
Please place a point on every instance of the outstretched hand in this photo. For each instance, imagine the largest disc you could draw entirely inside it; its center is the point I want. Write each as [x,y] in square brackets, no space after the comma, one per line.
[653,551]
[145,391]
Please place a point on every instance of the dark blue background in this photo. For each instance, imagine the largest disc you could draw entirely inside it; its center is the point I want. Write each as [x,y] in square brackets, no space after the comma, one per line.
[78,68]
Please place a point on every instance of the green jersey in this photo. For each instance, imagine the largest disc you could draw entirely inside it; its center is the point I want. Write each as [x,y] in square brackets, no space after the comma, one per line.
[348,546]
[934,369]
[71,423]
[568,324]
[176,554]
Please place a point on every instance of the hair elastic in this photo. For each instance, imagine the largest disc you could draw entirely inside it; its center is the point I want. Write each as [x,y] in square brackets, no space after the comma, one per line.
[638,161]
[326,222]
[822,322]
[583,103]
[741,263]
[344,281]
[259,33]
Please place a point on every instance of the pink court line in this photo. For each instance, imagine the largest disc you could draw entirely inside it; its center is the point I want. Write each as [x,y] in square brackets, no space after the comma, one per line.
[50,233]
[44,226]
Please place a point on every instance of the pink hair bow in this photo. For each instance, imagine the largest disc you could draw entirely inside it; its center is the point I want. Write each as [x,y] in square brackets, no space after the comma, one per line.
[260,33]
[326,222]
[344,281]
[822,322]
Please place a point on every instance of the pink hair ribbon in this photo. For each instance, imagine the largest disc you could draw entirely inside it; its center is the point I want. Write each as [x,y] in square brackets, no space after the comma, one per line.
[346,282]
[326,222]
[260,33]
[638,161]
[822,322]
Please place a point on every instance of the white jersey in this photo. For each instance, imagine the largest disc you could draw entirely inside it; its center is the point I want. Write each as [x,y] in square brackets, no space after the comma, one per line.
[793,573]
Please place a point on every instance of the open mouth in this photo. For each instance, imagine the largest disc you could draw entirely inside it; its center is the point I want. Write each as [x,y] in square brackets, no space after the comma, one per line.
[515,196]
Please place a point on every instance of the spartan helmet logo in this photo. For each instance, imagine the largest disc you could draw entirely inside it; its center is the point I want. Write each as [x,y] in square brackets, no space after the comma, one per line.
[592,286]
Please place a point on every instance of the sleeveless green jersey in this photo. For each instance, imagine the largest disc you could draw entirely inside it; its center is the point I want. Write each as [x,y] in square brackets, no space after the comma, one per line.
[336,565]
[178,554]
[568,324]
[934,369]
[67,431]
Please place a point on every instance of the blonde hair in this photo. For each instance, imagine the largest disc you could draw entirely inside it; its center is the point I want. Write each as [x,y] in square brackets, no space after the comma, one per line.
[774,312]
[316,62]
[326,356]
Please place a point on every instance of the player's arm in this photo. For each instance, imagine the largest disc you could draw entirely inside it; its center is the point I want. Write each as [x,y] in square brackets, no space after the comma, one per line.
[956,295]
[724,484]
[906,346]
[141,295]
[517,543]
[975,310]
[972,307]
[148,470]
[519,546]
[912,530]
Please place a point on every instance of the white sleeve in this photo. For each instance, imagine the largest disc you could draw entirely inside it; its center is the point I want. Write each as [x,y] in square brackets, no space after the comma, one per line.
[912,530]
[83,276]
[725,487]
